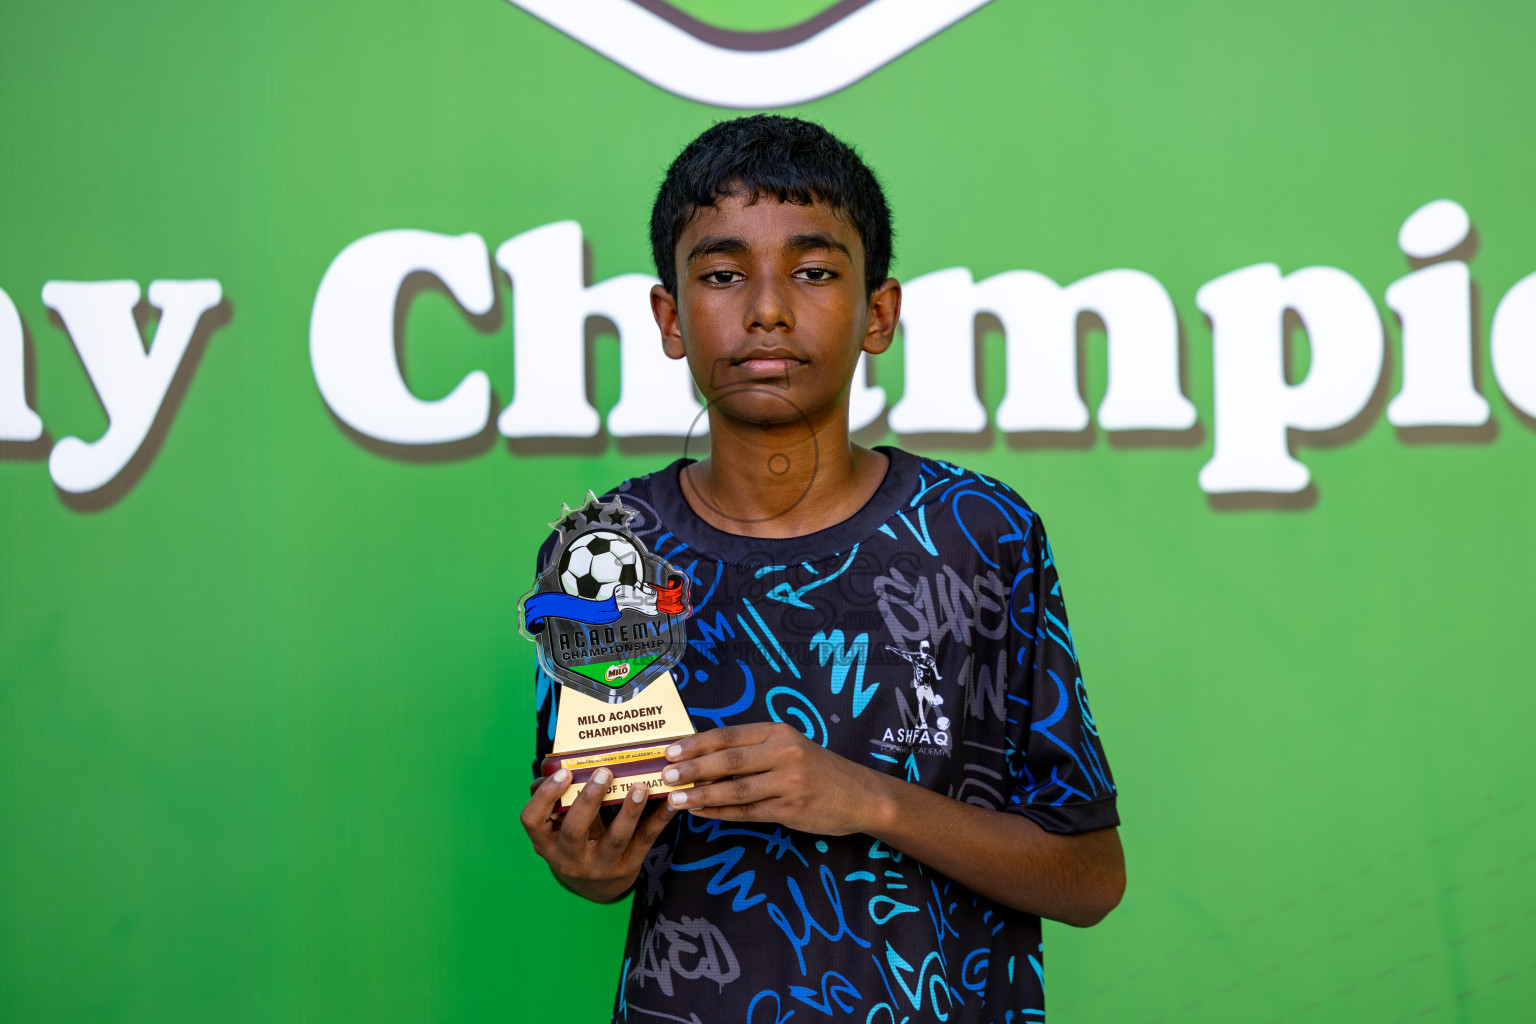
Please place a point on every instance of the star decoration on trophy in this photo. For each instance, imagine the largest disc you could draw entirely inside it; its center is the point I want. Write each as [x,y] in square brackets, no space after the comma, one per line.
[572,520]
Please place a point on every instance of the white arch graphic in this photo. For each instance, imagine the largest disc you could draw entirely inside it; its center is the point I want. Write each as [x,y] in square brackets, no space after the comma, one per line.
[678,61]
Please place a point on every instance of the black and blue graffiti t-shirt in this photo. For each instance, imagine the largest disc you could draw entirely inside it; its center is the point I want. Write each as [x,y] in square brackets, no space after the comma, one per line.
[924,637]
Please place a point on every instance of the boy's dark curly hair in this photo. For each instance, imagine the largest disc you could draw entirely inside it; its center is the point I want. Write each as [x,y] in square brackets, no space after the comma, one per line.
[792,160]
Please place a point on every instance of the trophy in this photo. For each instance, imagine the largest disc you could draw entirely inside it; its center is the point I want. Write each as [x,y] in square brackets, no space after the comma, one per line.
[608,618]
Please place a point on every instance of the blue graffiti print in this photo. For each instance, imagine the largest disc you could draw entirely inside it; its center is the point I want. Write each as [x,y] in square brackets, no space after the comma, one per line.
[844,656]
[937,988]
[719,716]
[939,602]
[799,707]
[835,990]
[800,939]
[722,882]
[786,594]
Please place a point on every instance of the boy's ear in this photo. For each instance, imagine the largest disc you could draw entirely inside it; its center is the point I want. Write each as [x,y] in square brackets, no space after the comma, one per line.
[664,309]
[884,315]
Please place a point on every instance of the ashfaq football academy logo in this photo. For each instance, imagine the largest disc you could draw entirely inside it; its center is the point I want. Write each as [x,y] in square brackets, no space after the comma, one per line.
[924,729]
[606,613]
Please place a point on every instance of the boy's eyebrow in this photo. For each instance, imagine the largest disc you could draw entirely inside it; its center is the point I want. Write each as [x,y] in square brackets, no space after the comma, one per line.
[718,245]
[732,245]
[797,244]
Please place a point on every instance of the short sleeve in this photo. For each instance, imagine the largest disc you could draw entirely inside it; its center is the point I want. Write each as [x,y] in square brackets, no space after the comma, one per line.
[1060,778]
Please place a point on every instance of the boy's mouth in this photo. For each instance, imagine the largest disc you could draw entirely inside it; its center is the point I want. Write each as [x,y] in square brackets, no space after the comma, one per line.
[768,362]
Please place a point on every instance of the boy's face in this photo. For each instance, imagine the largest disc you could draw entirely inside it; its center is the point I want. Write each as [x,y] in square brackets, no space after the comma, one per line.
[771,311]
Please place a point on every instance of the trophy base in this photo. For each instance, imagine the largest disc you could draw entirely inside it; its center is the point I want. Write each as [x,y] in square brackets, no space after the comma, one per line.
[629,764]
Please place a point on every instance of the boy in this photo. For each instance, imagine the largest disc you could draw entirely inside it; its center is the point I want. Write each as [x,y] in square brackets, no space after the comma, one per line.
[903,775]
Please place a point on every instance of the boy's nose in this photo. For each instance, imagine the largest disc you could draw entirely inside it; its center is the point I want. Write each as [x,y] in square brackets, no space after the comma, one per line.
[770,308]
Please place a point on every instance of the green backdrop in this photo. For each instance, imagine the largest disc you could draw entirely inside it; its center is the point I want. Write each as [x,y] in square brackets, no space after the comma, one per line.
[265,719]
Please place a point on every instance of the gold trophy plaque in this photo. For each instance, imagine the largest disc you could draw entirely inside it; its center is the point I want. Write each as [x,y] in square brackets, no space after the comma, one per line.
[608,618]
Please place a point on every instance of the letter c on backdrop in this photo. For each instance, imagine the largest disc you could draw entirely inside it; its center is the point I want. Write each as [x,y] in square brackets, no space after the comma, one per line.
[352,336]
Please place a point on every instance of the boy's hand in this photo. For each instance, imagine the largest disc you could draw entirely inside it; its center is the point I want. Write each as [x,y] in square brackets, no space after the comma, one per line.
[764,772]
[588,859]
[770,772]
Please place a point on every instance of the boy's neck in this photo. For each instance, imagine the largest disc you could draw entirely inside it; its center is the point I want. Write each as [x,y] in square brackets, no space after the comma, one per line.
[781,481]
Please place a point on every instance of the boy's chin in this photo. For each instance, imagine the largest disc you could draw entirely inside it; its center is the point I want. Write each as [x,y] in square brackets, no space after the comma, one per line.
[761,407]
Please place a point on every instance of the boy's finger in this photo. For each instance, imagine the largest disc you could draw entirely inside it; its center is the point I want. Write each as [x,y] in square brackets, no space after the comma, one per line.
[651,828]
[622,827]
[720,764]
[718,739]
[733,812]
[747,789]
[541,806]
[577,827]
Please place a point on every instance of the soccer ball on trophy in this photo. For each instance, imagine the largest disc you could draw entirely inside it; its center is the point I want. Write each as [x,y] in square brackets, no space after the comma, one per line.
[596,563]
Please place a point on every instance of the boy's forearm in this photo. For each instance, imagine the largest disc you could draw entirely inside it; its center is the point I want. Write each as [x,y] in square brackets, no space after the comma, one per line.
[765,771]
[1076,879]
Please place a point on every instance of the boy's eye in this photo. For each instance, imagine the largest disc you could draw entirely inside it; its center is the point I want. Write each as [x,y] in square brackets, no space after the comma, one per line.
[817,273]
[722,276]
